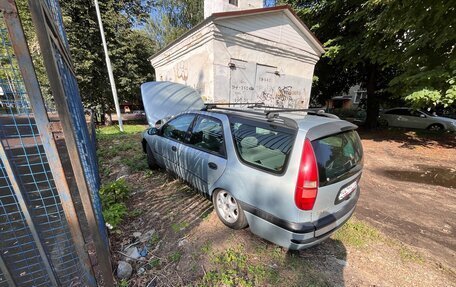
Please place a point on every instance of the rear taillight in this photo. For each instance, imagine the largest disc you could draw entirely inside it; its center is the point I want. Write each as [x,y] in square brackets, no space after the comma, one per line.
[307,184]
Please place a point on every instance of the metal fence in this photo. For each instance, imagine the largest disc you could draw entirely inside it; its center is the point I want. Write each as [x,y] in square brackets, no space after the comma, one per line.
[44,239]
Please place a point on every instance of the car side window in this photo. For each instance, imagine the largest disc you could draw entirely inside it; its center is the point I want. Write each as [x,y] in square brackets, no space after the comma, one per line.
[406,112]
[263,147]
[391,112]
[177,128]
[207,134]
[416,113]
[399,112]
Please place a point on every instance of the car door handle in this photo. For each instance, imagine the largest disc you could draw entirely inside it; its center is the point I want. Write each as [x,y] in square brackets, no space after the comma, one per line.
[212,165]
[173,148]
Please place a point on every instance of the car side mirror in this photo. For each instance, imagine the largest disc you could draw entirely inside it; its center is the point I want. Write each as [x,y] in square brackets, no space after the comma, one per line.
[422,116]
[152,131]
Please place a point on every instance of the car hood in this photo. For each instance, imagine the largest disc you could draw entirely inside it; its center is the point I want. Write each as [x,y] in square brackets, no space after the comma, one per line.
[163,100]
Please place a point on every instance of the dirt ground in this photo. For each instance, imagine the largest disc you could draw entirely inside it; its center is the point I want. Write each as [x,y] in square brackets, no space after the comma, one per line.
[408,190]
[402,233]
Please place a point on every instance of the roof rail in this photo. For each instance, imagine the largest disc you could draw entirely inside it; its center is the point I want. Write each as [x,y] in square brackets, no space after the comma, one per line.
[274,111]
[271,112]
[214,105]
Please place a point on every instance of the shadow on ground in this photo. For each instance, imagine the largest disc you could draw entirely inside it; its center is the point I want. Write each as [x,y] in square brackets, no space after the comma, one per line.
[431,175]
[411,139]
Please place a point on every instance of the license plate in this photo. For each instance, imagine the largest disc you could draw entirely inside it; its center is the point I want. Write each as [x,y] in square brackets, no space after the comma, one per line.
[346,191]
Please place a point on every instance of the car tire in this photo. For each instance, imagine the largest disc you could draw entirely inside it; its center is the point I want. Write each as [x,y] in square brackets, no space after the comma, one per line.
[436,128]
[228,210]
[151,162]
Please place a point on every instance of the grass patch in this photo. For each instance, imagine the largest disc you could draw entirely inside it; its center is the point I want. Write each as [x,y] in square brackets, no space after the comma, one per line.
[154,239]
[175,256]
[136,163]
[154,262]
[123,283]
[357,233]
[179,226]
[136,212]
[232,268]
[120,148]
[408,255]
[207,247]
[114,129]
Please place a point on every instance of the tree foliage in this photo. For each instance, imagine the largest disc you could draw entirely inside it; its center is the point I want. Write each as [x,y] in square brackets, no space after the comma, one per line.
[172,18]
[393,48]
[424,35]
[129,48]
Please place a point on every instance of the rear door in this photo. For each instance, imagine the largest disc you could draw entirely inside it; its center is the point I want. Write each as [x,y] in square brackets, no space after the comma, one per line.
[203,157]
[419,120]
[394,117]
[405,119]
[340,160]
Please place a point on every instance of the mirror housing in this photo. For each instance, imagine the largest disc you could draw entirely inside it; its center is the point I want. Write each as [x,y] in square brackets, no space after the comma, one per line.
[152,131]
[422,116]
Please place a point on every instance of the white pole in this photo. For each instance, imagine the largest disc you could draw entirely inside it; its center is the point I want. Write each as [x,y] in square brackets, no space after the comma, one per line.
[108,64]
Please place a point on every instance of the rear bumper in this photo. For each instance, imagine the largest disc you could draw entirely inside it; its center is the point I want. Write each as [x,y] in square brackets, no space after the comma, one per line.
[297,235]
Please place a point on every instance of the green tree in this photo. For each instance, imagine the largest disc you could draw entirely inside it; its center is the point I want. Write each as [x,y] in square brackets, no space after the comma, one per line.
[425,35]
[129,48]
[354,50]
[171,18]
[390,47]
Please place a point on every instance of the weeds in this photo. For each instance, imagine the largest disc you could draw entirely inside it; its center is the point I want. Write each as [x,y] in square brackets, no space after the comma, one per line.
[154,239]
[148,173]
[207,247]
[117,147]
[357,233]
[233,269]
[409,255]
[179,226]
[154,262]
[136,163]
[175,256]
[136,212]
[123,283]
[113,196]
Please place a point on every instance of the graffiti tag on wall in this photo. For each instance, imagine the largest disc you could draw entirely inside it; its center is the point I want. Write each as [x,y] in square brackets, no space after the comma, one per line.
[181,71]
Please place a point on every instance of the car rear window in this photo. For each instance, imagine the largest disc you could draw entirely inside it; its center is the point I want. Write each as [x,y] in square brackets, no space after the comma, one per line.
[338,156]
[262,146]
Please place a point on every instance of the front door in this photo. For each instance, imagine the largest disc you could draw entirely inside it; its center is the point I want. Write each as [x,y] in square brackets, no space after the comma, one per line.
[173,134]
[203,157]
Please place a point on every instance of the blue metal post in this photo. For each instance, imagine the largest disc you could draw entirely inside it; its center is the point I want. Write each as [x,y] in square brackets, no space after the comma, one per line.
[47,140]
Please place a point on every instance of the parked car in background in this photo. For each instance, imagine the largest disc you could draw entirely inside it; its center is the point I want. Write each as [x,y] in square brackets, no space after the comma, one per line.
[139,112]
[411,118]
[291,176]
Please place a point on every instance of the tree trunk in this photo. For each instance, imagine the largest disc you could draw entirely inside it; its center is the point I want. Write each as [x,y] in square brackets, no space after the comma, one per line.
[108,119]
[373,102]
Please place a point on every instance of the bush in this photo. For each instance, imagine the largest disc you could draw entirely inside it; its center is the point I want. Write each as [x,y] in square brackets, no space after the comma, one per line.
[113,196]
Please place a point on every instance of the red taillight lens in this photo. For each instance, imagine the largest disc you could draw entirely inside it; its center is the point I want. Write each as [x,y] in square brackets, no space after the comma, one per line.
[307,184]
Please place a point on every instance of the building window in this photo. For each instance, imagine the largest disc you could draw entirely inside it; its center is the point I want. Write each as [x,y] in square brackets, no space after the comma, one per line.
[360,95]
[233,2]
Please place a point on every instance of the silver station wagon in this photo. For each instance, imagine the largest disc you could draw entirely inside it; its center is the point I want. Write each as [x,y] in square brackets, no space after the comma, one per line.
[291,176]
